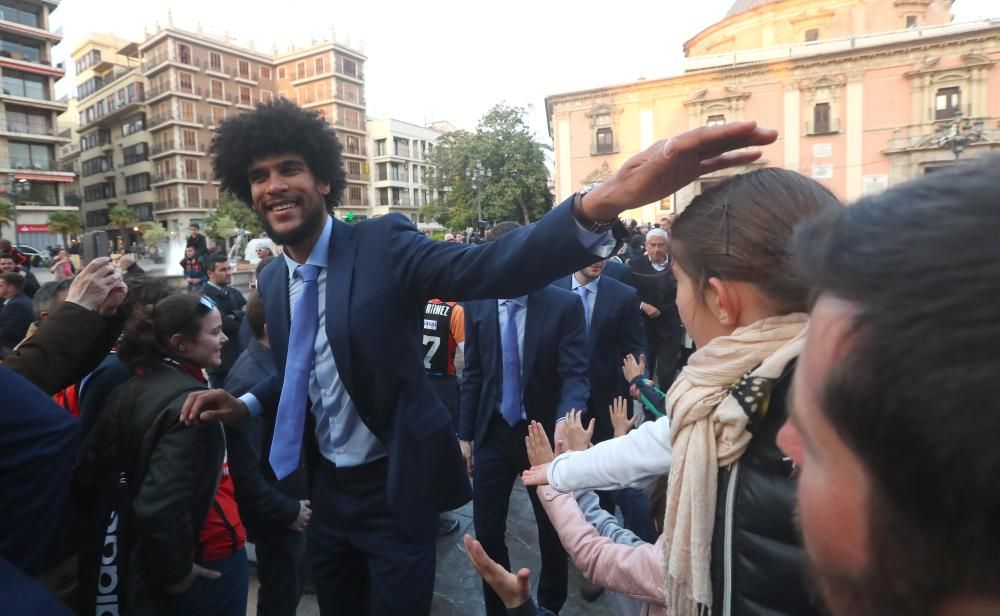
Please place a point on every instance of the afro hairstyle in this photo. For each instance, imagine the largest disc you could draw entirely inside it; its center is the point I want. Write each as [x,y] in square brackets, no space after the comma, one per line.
[276,127]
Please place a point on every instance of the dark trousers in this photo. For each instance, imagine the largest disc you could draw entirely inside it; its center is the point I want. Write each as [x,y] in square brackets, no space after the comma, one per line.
[361,563]
[280,561]
[226,596]
[498,461]
[446,388]
[664,359]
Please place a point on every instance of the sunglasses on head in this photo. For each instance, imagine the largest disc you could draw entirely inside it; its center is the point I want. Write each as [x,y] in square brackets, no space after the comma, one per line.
[206,305]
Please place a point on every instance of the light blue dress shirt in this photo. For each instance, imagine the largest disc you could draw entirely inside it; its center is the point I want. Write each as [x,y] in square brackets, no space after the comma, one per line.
[343,438]
[520,318]
[591,296]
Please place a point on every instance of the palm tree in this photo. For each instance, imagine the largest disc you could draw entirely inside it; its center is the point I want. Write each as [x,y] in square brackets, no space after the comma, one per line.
[123,217]
[65,224]
[6,214]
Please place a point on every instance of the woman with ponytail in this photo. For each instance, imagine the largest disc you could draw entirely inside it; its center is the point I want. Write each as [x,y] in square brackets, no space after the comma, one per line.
[185,538]
[728,543]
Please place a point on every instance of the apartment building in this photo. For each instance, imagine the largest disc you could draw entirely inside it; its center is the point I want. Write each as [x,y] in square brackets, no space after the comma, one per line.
[329,79]
[29,173]
[111,153]
[151,117]
[399,160]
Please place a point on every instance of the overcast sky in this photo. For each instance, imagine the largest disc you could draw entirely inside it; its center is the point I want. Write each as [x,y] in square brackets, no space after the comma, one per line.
[446,59]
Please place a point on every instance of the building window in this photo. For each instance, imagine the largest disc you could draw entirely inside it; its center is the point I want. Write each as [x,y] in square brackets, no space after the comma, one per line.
[605,141]
[187,111]
[947,103]
[134,125]
[137,183]
[380,147]
[95,166]
[22,13]
[136,153]
[89,59]
[266,96]
[354,169]
[189,139]
[355,195]
[715,120]
[353,145]
[349,67]
[281,72]
[319,65]
[245,98]
[265,72]
[215,61]
[821,118]
[30,156]
[911,21]
[244,69]
[300,70]
[191,168]
[194,197]
[16,83]
[21,49]
[217,91]
[184,82]
[812,34]
[218,115]
[184,54]
[97,192]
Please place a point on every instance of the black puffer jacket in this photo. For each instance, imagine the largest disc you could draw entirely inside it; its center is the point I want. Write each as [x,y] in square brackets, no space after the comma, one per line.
[174,473]
[758,565]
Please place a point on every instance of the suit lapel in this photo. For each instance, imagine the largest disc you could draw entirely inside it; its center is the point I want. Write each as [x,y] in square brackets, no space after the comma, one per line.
[339,275]
[274,290]
[533,327]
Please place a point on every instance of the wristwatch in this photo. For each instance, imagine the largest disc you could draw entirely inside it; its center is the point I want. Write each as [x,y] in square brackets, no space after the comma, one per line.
[594,226]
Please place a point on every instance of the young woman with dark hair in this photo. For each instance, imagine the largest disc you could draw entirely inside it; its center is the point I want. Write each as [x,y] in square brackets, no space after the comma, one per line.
[186,538]
[729,543]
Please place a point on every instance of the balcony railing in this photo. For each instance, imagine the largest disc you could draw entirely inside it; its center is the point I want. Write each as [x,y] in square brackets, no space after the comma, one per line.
[166,146]
[26,163]
[360,177]
[347,123]
[154,61]
[359,150]
[353,97]
[348,202]
[155,121]
[833,126]
[180,174]
[13,55]
[356,74]
[28,129]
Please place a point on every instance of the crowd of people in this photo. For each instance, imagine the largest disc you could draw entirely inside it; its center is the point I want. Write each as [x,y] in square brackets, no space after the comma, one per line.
[770,403]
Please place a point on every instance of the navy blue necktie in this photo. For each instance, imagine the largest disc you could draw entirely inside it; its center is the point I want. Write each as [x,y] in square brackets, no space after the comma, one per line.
[286,446]
[511,407]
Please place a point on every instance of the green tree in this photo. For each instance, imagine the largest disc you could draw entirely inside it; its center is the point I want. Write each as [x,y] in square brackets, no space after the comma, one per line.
[153,236]
[6,214]
[123,217]
[239,213]
[65,224]
[517,185]
[220,226]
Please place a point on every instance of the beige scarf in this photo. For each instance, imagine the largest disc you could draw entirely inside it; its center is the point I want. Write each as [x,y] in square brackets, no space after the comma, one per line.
[708,430]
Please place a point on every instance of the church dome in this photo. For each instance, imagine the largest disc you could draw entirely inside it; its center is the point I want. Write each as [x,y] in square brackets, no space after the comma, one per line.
[740,6]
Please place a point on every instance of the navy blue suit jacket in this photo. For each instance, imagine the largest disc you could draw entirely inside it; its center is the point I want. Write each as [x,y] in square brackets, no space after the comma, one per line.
[382,272]
[616,330]
[554,369]
[619,271]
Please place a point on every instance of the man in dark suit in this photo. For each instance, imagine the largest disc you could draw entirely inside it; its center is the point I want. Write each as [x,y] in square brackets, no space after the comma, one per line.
[342,306]
[274,512]
[657,290]
[17,312]
[614,330]
[525,360]
[230,303]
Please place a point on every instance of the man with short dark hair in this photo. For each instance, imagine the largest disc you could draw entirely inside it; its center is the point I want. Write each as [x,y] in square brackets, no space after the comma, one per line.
[197,240]
[230,303]
[8,263]
[16,313]
[194,267]
[341,306]
[895,413]
[47,299]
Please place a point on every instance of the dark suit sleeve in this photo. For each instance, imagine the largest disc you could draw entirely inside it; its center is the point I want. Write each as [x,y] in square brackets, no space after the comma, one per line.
[13,319]
[539,253]
[68,345]
[472,379]
[268,392]
[633,330]
[260,502]
[573,359]
[38,441]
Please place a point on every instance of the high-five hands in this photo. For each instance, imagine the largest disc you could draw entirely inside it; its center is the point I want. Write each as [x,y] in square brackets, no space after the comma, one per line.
[578,437]
[539,455]
[620,421]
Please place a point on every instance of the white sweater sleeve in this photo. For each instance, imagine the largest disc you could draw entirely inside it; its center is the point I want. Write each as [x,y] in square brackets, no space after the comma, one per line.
[631,461]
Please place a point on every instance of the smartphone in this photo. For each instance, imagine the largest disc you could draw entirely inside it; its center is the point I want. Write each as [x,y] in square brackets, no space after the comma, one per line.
[95,245]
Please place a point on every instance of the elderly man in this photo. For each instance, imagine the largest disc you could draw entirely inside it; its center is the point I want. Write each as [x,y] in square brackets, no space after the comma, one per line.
[894,411]
[129,266]
[657,290]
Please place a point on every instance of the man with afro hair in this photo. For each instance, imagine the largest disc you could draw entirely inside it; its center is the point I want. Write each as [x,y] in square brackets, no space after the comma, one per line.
[343,309]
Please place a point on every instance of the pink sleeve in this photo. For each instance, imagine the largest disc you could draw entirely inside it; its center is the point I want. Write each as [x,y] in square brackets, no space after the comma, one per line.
[633,571]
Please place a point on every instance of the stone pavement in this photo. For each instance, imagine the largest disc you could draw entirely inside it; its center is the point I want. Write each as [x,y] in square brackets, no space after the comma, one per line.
[458,589]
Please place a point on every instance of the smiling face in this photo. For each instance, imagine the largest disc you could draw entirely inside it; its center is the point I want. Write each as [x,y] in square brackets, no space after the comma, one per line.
[205,350]
[287,198]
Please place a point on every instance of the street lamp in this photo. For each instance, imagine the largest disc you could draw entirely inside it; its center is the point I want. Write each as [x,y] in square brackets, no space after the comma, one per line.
[478,175]
[959,133]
